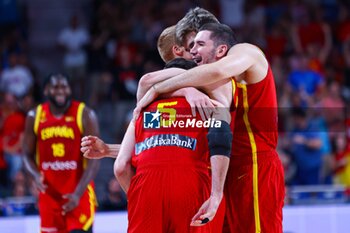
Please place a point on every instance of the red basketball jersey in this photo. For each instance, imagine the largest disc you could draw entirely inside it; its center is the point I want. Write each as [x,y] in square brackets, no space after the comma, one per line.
[168,134]
[254,123]
[58,148]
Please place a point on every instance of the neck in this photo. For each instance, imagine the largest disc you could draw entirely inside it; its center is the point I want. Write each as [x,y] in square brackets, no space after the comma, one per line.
[58,111]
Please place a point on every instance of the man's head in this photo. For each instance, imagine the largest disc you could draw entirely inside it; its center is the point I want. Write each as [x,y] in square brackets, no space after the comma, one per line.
[212,43]
[176,41]
[58,90]
[167,47]
[189,25]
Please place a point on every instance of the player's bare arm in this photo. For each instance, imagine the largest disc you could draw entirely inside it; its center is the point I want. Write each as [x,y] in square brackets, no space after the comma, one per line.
[195,98]
[123,169]
[29,147]
[206,213]
[149,79]
[93,147]
[219,167]
[244,62]
[90,126]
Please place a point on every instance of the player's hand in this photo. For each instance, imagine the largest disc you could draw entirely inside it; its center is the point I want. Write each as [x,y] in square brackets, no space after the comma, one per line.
[207,211]
[93,147]
[72,202]
[200,101]
[39,182]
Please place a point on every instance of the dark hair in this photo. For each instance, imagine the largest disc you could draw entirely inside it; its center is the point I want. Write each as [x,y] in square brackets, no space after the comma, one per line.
[220,34]
[48,78]
[180,63]
[191,22]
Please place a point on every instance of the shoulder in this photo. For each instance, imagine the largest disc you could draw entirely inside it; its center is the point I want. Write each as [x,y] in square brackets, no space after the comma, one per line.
[88,113]
[87,109]
[33,112]
[245,47]
[30,117]
[253,61]
[248,52]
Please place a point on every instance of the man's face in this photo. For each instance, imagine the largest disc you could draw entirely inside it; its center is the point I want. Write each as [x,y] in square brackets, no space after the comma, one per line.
[203,50]
[59,92]
[189,42]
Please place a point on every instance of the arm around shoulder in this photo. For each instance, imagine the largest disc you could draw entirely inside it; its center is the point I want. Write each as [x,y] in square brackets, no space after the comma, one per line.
[149,79]
[246,62]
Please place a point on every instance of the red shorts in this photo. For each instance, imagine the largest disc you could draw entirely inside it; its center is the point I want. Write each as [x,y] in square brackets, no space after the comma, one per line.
[165,198]
[246,211]
[52,220]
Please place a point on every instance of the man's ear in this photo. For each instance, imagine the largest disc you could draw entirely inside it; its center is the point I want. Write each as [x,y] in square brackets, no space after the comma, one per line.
[221,50]
[177,50]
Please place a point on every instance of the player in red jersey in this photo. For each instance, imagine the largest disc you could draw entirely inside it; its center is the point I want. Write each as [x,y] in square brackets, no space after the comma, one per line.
[255,175]
[172,176]
[64,177]
[94,148]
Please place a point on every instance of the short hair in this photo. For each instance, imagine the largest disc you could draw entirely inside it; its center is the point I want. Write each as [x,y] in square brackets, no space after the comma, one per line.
[191,22]
[49,77]
[220,34]
[165,44]
[180,63]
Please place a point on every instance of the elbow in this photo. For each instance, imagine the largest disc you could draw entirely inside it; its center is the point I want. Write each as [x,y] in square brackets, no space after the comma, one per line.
[120,168]
[146,81]
[144,84]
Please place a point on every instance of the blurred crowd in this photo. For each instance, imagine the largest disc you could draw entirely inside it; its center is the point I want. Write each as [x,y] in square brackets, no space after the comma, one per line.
[306,42]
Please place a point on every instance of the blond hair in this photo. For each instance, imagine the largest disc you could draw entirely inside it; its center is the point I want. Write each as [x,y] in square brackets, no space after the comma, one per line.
[165,44]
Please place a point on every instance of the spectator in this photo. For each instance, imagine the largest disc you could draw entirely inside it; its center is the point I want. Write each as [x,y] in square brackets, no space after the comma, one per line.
[309,28]
[276,41]
[19,185]
[73,40]
[303,81]
[3,171]
[333,108]
[305,149]
[115,199]
[343,26]
[12,133]
[342,165]
[16,79]
[346,54]
[127,74]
